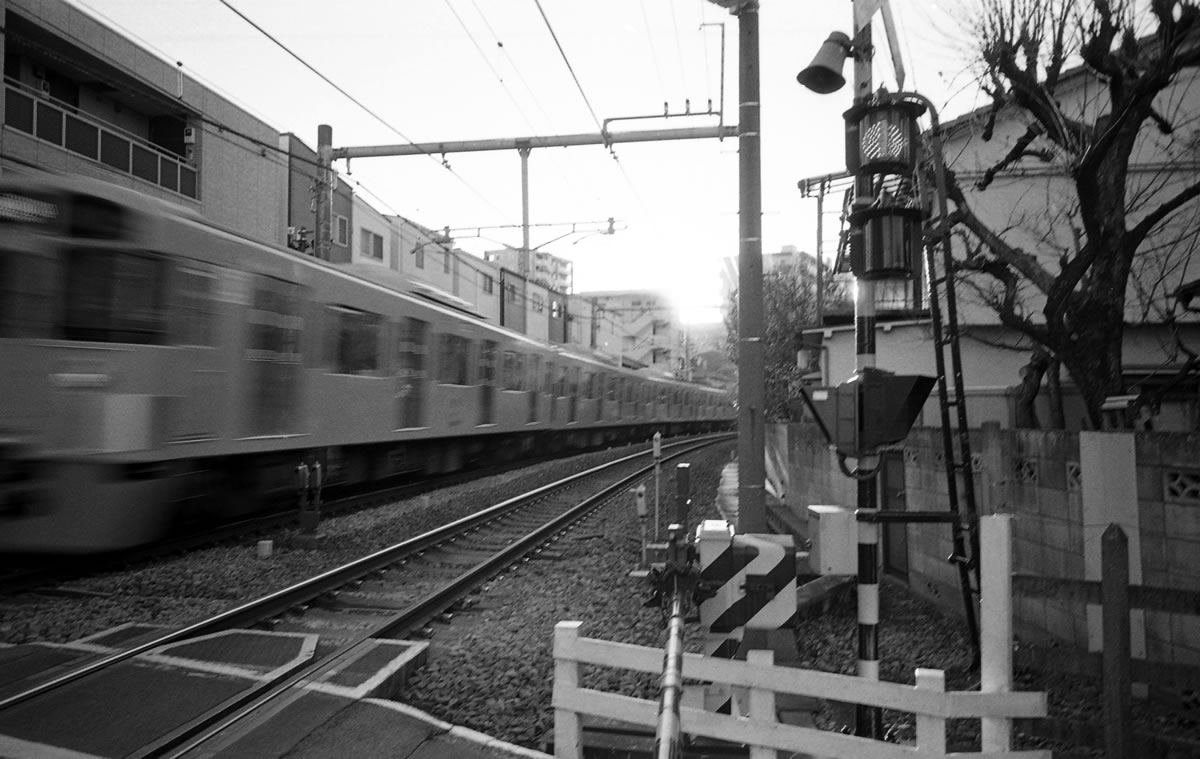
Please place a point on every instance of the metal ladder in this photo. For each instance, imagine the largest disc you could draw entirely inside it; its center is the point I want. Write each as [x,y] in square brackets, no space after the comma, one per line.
[958,462]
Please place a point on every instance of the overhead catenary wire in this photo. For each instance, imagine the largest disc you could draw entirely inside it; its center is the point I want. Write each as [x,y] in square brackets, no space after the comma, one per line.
[563,175]
[654,52]
[357,102]
[566,61]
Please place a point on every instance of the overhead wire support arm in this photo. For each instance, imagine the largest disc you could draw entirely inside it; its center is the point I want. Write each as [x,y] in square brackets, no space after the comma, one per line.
[518,143]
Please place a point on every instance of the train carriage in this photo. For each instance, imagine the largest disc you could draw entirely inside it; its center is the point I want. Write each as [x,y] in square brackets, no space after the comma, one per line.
[157,369]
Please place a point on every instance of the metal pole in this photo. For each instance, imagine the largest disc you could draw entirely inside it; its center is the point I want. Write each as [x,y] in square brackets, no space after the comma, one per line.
[751,392]
[869,719]
[324,192]
[683,492]
[666,743]
[820,249]
[524,263]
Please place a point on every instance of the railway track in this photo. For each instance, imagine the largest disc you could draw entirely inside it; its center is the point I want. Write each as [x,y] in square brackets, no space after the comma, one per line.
[393,593]
[20,574]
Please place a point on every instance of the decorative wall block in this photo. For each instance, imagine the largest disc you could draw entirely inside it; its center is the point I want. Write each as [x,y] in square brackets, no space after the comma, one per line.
[1181,486]
[1074,473]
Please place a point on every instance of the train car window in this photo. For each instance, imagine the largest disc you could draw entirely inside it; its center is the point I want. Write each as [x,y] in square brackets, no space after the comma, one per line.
[26,294]
[548,379]
[411,360]
[353,346]
[487,363]
[514,371]
[534,380]
[97,219]
[274,325]
[113,296]
[274,321]
[610,390]
[195,306]
[454,358]
[560,383]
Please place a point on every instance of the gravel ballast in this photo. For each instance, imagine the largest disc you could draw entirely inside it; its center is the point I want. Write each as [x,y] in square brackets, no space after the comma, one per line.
[491,667]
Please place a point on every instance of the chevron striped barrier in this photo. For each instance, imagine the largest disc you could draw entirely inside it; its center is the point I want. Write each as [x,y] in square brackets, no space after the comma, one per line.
[749,584]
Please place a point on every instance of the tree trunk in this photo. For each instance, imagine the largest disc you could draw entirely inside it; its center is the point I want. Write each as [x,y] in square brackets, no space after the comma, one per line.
[1058,417]
[1027,391]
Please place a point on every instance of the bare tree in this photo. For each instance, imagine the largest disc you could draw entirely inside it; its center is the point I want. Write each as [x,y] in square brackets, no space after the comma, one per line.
[790,305]
[1125,217]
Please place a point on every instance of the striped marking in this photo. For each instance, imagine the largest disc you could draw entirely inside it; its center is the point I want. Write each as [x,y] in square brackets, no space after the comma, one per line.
[756,579]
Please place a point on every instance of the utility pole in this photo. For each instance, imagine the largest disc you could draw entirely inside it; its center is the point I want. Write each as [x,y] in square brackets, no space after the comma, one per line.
[324,192]
[752,517]
[524,263]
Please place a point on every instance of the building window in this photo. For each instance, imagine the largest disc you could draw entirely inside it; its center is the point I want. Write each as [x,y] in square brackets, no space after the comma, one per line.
[419,256]
[370,245]
[555,309]
[488,284]
[538,304]
[341,230]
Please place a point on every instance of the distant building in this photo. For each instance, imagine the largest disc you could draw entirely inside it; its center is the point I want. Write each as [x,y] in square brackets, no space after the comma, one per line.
[788,255]
[536,266]
[637,329]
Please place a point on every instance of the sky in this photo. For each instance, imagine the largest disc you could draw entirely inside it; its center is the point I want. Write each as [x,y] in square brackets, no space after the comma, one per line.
[443,70]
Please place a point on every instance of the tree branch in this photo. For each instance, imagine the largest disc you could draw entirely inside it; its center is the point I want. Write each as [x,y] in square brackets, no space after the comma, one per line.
[1165,209]
[1018,151]
[1023,262]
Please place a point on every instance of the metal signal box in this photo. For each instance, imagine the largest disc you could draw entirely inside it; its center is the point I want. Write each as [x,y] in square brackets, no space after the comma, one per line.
[872,409]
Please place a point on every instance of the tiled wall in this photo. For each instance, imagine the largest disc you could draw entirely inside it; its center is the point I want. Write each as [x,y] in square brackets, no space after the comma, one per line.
[1036,475]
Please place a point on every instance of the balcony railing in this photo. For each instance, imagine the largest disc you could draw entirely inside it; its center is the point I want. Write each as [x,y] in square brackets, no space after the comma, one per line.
[49,122]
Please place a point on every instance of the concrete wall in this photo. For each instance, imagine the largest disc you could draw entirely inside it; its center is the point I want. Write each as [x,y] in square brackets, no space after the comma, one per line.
[1040,477]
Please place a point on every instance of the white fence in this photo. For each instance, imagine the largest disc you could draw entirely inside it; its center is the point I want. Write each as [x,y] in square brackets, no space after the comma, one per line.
[764,734]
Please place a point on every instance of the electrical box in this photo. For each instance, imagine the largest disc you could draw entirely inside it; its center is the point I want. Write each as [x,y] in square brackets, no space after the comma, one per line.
[189,135]
[872,409]
[833,532]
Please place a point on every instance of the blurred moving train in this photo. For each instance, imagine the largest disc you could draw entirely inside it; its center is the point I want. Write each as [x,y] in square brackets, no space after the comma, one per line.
[156,370]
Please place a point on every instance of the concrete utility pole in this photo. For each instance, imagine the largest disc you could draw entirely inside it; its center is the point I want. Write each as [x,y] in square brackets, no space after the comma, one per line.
[752,508]
[324,191]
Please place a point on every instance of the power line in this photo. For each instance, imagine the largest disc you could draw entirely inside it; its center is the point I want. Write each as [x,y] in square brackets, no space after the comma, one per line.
[654,53]
[567,61]
[354,100]
[308,66]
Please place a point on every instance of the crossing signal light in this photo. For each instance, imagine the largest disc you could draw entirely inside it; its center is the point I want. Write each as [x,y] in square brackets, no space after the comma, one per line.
[872,409]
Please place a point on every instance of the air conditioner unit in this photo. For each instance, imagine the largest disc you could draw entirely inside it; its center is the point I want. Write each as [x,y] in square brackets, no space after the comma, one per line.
[44,86]
[189,135]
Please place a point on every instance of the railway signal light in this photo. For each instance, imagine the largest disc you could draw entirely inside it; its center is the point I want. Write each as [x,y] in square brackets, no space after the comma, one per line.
[872,409]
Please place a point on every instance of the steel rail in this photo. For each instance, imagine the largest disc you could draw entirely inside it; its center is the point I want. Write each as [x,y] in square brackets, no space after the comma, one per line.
[282,600]
[207,727]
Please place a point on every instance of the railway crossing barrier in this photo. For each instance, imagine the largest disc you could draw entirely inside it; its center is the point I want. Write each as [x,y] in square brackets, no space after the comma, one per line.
[762,731]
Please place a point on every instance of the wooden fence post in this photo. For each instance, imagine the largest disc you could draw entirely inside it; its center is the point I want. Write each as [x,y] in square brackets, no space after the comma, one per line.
[568,732]
[995,623]
[931,731]
[762,700]
[1114,594]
